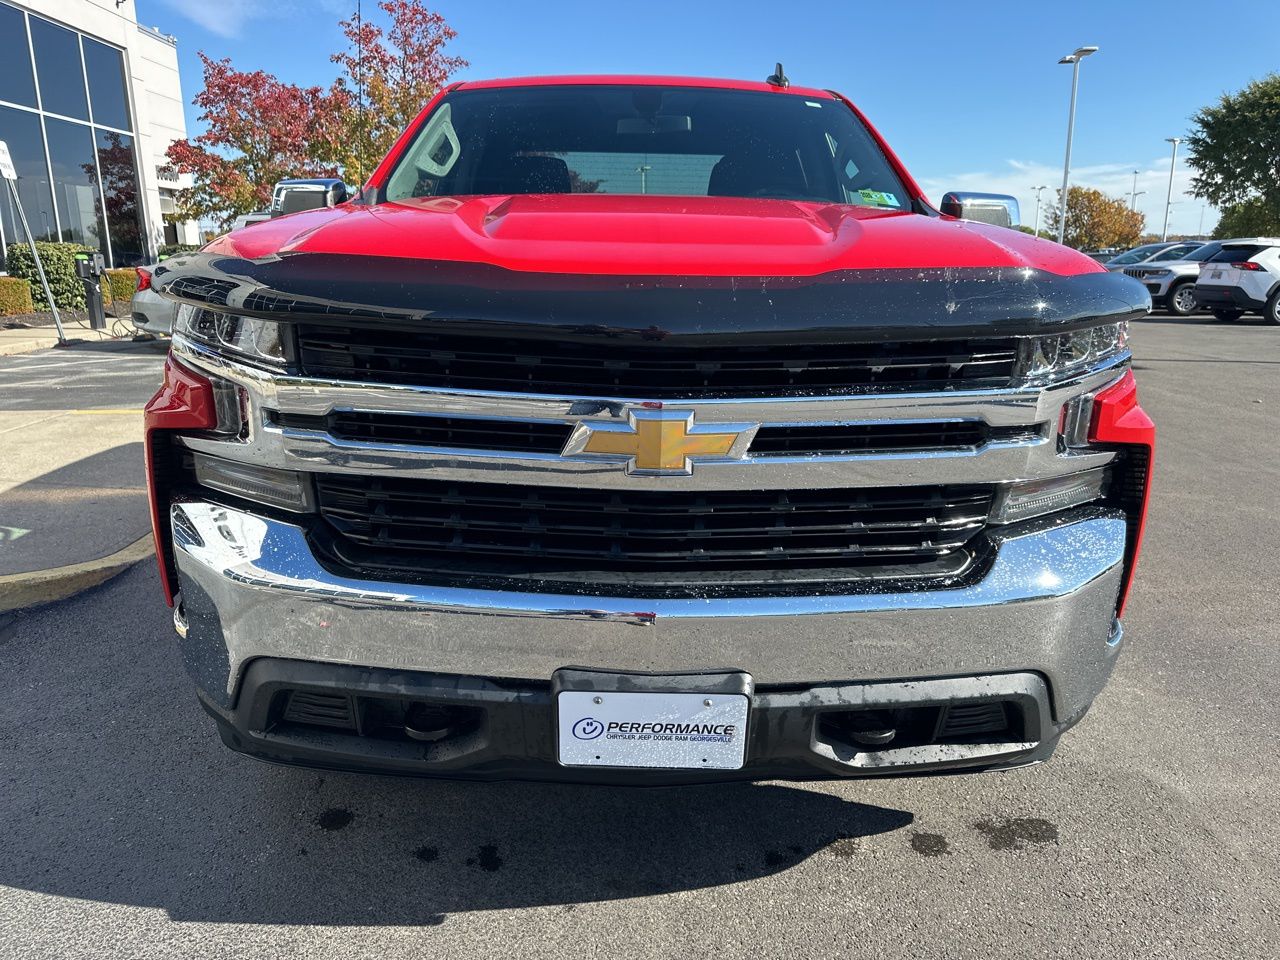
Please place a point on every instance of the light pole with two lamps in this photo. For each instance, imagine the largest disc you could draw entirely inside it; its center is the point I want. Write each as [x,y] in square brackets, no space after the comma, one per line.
[1073,59]
[1168,200]
[1038,190]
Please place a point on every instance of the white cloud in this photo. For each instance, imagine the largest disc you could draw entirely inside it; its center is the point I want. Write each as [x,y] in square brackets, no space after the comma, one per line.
[1115,179]
[228,18]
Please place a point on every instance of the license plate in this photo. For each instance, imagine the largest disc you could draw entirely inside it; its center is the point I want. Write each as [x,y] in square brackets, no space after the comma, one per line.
[685,731]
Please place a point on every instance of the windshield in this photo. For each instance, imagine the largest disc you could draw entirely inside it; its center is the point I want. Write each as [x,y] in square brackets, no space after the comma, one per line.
[1137,254]
[672,141]
[1201,254]
[1173,253]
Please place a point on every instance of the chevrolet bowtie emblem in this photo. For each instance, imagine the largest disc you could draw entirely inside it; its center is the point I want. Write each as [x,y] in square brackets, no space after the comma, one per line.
[659,442]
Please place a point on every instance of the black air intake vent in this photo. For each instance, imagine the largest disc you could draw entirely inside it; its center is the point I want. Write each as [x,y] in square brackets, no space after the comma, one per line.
[321,710]
[961,720]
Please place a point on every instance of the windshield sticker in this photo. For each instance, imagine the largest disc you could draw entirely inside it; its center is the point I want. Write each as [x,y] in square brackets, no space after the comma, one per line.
[879,197]
[813,103]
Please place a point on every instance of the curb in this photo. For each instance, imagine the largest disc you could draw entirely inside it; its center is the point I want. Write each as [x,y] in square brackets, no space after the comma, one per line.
[20,590]
[14,347]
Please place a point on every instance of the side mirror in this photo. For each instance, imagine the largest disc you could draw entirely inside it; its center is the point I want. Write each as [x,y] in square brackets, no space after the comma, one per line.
[993,208]
[338,193]
[293,196]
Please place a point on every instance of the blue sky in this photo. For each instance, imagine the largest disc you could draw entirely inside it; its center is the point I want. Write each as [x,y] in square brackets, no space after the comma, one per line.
[971,97]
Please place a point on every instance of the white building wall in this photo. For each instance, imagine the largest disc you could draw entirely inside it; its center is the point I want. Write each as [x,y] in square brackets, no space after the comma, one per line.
[155,92]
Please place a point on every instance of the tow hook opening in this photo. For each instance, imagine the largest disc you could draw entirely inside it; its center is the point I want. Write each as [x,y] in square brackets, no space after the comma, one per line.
[431,722]
[960,722]
[381,718]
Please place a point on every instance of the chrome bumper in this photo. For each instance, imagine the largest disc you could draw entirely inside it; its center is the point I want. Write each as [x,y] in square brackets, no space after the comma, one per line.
[252,588]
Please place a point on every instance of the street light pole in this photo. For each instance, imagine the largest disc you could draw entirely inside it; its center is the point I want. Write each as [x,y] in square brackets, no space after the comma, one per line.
[1168,200]
[1133,194]
[1073,59]
[1038,190]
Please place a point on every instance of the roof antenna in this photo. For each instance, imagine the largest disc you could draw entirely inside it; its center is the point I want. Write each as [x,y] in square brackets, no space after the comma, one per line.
[779,79]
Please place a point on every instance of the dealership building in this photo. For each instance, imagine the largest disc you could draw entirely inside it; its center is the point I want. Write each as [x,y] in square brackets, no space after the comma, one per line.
[89,102]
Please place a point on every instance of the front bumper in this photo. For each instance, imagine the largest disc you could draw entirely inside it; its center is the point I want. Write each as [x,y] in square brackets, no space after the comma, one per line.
[152,313]
[253,594]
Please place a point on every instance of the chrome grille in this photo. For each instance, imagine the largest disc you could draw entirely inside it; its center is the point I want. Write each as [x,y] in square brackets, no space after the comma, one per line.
[547,437]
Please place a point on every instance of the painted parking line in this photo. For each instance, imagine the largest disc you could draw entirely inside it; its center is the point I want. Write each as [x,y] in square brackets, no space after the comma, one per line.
[78,361]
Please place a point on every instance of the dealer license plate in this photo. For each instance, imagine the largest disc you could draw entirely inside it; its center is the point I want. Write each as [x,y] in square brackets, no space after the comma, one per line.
[692,731]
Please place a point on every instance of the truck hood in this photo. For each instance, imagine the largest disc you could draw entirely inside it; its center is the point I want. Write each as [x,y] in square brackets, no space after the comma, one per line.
[674,270]
[615,235]
[1180,268]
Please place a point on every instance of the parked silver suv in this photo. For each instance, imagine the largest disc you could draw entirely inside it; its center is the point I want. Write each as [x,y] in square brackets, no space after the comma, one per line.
[1151,253]
[1172,284]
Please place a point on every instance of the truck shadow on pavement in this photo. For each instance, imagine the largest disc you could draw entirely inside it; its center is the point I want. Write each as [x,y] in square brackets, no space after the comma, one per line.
[82,510]
[118,791]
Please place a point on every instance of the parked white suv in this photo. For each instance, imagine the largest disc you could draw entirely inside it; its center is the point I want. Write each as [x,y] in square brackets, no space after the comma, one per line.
[1243,275]
[1172,285]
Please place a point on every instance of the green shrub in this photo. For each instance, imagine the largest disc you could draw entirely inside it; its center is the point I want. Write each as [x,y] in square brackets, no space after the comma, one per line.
[59,261]
[118,286]
[15,296]
[169,249]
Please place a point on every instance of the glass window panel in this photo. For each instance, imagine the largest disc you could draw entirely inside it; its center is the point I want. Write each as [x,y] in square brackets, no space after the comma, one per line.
[58,68]
[119,169]
[105,67]
[75,183]
[16,82]
[21,131]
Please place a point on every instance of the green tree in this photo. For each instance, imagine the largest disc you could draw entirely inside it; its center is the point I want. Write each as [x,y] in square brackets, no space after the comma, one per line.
[1096,221]
[1253,218]
[1234,147]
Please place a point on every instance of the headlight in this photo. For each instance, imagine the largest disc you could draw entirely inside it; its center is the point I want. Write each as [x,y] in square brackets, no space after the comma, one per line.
[1154,274]
[1062,355]
[247,336]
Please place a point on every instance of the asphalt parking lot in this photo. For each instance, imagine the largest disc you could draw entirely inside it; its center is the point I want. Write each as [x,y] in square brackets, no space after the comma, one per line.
[1154,832]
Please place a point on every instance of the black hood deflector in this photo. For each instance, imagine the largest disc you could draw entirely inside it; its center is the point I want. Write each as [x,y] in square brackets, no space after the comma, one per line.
[842,306]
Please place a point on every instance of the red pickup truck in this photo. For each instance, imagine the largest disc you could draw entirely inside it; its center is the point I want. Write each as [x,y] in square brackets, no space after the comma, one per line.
[647,430]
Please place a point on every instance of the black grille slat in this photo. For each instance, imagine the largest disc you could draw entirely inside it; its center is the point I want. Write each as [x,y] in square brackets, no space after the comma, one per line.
[643,529]
[857,438]
[610,367]
[433,431]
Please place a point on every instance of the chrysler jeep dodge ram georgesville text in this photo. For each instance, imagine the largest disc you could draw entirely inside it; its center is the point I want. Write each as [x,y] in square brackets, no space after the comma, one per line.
[646,430]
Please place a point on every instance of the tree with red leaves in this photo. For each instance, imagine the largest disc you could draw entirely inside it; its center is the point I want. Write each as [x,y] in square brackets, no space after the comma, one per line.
[257,130]
[388,78]
[260,130]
